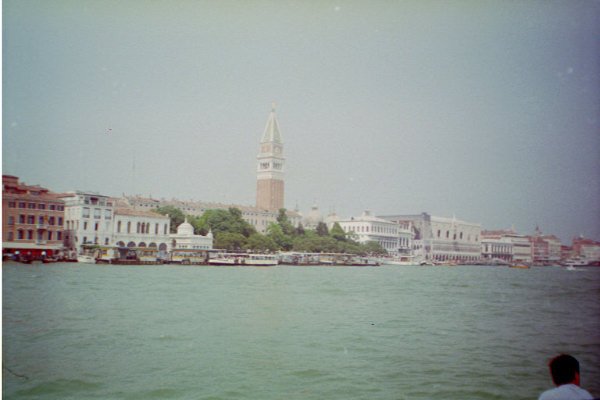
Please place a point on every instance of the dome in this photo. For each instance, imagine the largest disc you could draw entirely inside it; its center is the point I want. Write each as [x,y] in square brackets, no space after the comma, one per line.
[185,229]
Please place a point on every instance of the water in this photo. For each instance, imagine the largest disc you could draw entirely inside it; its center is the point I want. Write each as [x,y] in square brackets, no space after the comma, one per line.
[75,331]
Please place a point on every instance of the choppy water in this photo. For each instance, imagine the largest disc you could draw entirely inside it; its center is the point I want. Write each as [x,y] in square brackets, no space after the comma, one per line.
[74,331]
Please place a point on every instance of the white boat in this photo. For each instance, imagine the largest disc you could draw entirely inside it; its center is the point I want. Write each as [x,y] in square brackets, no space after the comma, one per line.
[261,260]
[576,262]
[256,260]
[86,258]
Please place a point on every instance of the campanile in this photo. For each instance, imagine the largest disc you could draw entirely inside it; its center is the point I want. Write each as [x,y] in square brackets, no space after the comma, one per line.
[269,173]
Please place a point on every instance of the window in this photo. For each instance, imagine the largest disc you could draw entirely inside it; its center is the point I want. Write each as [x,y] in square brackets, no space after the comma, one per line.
[106,241]
[86,212]
[41,220]
[119,227]
[96,227]
[51,220]
[31,219]
[22,204]
[12,204]
[11,220]
[52,207]
[97,212]
[21,219]
[60,221]
[30,234]
[84,240]
[85,227]
[107,214]
[156,229]
[60,208]
[32,206]
[41,206]
[165,230]
[49,235]
[128,226]
[58,235]
[20,234]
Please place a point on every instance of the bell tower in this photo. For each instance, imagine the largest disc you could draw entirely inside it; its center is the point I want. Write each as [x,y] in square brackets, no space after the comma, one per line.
[269,173]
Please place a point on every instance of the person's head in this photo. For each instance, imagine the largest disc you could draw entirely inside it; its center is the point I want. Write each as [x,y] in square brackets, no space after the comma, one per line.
[564,369]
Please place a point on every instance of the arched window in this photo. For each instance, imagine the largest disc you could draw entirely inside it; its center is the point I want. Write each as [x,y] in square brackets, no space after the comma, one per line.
[128,226]
[130,244]
[119,227]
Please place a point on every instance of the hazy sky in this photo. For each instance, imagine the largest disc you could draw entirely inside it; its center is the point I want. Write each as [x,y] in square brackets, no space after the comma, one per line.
[489,111]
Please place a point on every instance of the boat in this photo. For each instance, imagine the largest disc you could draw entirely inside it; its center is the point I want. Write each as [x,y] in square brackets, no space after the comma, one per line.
[576,262]
[249,259]
[519,266]
[261,260]
[86,259]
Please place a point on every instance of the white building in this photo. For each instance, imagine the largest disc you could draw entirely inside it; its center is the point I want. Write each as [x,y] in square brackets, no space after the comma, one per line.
[88,219]
[137,228]
[395,238]
[521,248]
[496,246]
[186,240]
[442,239]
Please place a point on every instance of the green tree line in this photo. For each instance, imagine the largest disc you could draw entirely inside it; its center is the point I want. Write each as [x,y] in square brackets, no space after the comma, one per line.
[231,232]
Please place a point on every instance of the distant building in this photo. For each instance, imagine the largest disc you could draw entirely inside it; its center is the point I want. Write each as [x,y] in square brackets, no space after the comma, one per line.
[185,239]
[32,219]
[88,219]
[522,250]
[394,237]
[497,245]
[139,229]
[442,239]
[546,249]
[270,168]
[313,218]
[586,249]
[258,218]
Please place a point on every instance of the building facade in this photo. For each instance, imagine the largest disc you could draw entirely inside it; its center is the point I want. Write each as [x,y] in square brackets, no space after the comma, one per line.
[89,220]
[442,239]
[270,168]
[395,238]
[139,229]
[185,239]
[496,246]
[32,219]
[586,249]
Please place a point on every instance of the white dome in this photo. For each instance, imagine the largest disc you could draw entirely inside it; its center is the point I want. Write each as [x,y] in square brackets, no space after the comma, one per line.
[185,229]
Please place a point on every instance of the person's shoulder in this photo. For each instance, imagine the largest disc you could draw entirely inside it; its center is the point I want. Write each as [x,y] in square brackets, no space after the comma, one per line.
[566,392]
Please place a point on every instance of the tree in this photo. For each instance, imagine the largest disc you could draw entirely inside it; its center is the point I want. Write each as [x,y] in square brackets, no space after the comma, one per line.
[299,229]
[260,242]
[220,220]
[374,248]
[337,232]
[230,241]
[322,229]
[176,216]
[284,222]
[283,241]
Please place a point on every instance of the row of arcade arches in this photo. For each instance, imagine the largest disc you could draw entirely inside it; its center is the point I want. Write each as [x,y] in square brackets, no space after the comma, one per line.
[160,247]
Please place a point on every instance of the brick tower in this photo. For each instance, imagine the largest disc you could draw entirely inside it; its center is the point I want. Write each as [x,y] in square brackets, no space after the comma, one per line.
[269,174]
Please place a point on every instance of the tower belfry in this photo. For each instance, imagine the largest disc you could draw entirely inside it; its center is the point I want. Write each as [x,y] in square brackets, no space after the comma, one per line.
[269,173]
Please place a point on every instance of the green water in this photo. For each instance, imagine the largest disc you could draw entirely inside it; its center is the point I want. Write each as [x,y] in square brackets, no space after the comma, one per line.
[73,331]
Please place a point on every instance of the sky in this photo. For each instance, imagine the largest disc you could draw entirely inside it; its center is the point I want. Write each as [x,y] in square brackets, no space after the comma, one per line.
[486,111]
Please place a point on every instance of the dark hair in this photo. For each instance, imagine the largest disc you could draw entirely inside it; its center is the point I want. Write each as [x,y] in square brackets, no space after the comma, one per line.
[563,369]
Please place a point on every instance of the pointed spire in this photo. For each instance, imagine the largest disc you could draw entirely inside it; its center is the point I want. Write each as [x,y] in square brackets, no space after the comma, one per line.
[272,133]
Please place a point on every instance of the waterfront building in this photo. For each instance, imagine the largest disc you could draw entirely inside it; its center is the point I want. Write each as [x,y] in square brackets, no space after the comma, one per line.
[586,249]
[140,229]
[88,219]
[32,219]
[497,245]
[546,249]
[270,167]
[442,239]
[257,217]
[394,237]
[185,239]
[522,250]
